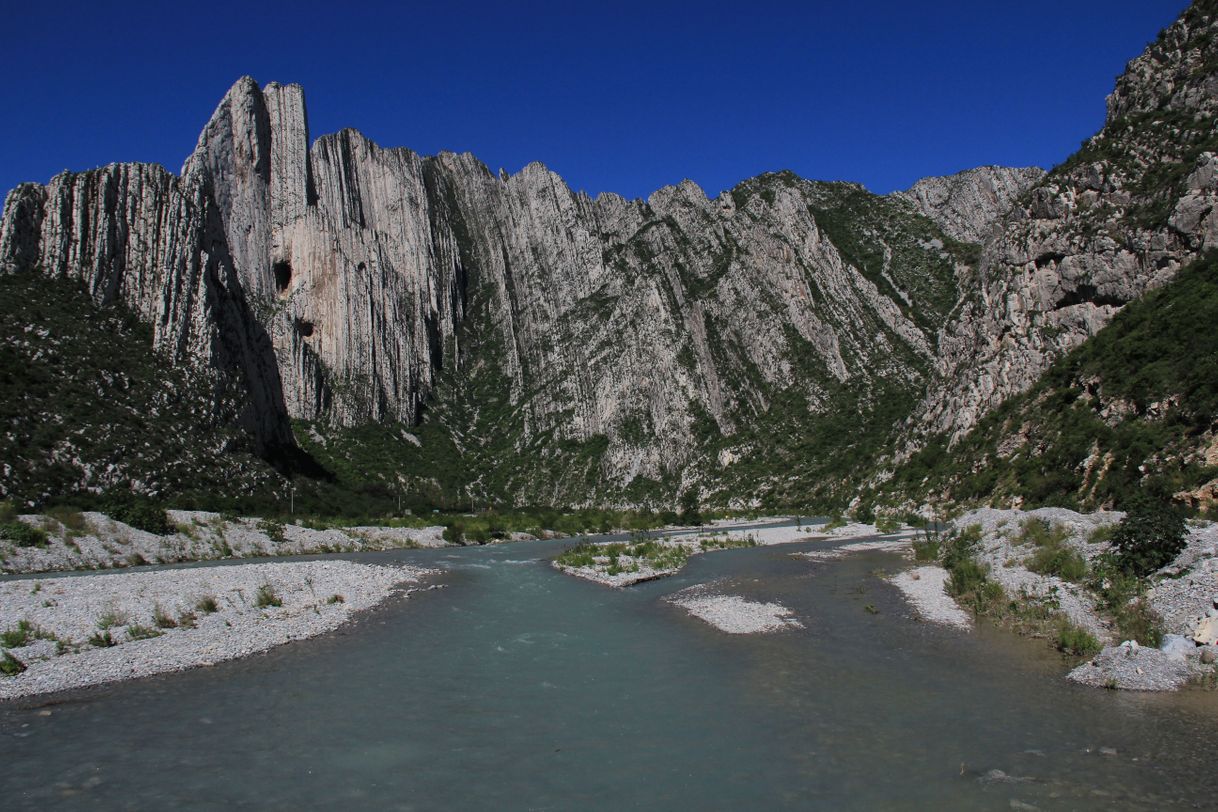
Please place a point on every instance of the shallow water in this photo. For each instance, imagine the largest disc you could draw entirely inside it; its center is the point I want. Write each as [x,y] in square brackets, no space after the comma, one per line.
[519,688]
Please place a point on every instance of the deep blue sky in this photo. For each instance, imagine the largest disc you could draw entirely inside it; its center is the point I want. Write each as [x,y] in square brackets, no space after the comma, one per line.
[624,96]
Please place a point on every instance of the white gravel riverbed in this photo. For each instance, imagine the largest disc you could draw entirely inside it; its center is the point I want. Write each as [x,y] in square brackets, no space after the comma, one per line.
[734,614]
[926,589]
[99,542]
[834,553]
[92,629]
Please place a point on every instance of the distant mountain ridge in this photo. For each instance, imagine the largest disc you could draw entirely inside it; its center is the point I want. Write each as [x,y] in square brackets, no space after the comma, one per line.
[496,338]
[337,283]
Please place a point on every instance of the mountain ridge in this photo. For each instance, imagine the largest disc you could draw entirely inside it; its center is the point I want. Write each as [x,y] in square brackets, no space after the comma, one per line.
[770,345]
[300,233]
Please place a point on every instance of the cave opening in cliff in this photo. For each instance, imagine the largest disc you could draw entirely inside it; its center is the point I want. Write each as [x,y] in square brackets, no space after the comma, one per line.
[305,328]
[283,274]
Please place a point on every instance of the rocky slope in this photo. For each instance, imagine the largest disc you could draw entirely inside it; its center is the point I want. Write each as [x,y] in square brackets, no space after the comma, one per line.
[342,283]
[87,407]
[519,341]
[969,204]
[1131,409]
[1120,217]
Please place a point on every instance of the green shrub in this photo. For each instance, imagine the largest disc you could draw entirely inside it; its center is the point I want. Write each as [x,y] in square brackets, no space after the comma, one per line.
[139,513]
[1059,560]
[10,666]
[1070,639]
[72,520]
[1136,620]
[968,579]
[581,555]
[926,549]
[8,512]
[23,534]
[454,533]
[1041,533]
[691,510]
[960,545]
[1122,596]
[111,619]
[274,530]
[102,639]
[267,597]
[887,524]
[137,632]
[163,619]
[207,604]
[654,554]
[726,542]
[1150,536]
[478,535]
[17,636]
[864,513]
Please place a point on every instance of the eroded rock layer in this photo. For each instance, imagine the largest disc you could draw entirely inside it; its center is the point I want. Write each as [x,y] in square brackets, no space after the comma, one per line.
[335,282]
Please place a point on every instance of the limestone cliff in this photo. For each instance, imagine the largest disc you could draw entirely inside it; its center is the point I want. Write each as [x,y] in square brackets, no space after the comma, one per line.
[774,338]
[334,282]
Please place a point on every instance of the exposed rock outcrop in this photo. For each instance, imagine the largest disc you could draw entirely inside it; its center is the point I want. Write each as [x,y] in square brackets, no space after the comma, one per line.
[340,282]
[336,282]
[1118,218]
[969,205]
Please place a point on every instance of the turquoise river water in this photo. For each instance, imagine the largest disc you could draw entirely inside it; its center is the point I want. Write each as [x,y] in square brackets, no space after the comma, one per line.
[517,687]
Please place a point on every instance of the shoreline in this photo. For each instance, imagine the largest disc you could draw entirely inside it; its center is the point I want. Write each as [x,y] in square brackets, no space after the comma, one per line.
[733,614]
[1179,605]
[925,589]
[98,542]
[95,629]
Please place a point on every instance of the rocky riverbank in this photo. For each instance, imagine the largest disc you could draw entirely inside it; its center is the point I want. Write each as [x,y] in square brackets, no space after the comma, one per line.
[926,589]
[72,632]
[1046,563]
[95,541]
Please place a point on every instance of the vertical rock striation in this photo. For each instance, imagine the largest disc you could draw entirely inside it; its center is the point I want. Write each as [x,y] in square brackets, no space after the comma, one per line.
[341,282]
[335,281]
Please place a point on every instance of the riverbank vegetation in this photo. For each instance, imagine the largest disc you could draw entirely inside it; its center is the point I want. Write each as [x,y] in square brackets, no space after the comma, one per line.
[645,555]
[1128,412]
[1113,584]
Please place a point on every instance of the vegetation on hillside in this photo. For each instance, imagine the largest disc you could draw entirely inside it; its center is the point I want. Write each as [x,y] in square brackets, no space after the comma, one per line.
[88,408]
[1131,410]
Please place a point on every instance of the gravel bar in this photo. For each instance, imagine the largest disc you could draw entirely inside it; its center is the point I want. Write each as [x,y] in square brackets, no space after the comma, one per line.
[94,629]
[734,614]
[926,589]
[100,542]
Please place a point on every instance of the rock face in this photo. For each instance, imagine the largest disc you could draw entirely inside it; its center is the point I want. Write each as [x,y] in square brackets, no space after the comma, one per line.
[339,281]
[970,204]
[670,339]
[1118,218]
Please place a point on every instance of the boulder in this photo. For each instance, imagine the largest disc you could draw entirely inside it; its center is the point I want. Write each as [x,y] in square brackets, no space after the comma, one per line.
[1206,632]
[1177,645]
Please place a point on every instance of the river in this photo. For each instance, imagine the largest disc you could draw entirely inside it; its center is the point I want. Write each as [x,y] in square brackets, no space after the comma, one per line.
[517,687]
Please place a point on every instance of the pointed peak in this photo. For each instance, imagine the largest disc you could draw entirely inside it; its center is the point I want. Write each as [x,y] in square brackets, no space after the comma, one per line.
[245,86]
